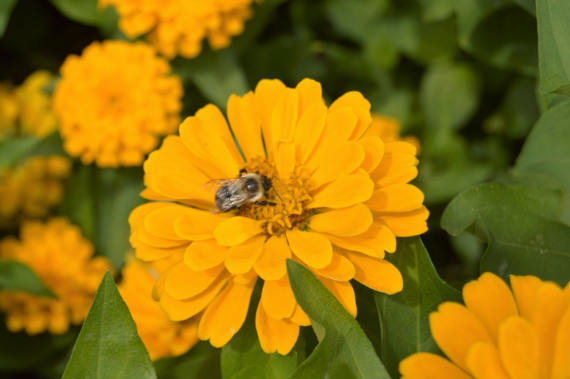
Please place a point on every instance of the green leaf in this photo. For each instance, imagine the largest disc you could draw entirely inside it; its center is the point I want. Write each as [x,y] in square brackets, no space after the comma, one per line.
[16,276]
[108,345]
[421,41]
[88,12]
[6,7]
[16,149]
[12,150]
[202,361]
[546,152]
[499,33]
[553,47]
[22,352]
[521,226]
[354,18]
[518,112]
[449,95]
[117,194]
[217,75]
[342,343]
[437,10]
[527,5]
[243,356]
[404,317]
[79,202]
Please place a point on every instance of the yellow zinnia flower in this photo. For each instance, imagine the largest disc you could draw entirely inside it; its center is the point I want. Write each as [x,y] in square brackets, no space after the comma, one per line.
[63,260]
[27,110]
[178,27]
[161,336]
[31,189]
[388,128]
[115,101]
[340,201]
[499,334]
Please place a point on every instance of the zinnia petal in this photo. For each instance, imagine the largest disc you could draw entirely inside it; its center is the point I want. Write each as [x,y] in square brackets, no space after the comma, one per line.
[246,124]
[284,117]
[340,269]
[518,347]
[312,248]
[343,292]
[375,273]
[430,366]
[309,129]
[491,301]
[484,362]
[405,224]
[275,335]
[203,255]
[549,307]
[271,263]
[561,365]
[523,289]
[277,298]
[240,258]
[396,198]
[374,150]
[343,222]
[267,93]
[310,92]
[225,316]
[206,144]
[343,160]
[183,282]
[455,330]
[343,192]
[373,242]
[236,230]
[179,310]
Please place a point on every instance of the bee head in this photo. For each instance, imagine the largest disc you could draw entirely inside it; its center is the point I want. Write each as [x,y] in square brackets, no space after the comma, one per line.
[267,184]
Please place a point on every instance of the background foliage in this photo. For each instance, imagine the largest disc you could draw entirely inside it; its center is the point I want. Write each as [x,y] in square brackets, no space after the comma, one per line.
[463,75]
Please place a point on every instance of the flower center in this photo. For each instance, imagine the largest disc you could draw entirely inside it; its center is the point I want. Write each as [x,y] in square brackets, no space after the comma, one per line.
[290,197]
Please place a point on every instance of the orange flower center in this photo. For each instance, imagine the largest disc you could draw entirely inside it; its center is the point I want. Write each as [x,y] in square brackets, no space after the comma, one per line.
[290,197]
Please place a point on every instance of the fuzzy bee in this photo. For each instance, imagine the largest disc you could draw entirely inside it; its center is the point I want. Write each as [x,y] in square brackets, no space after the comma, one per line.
[233,193]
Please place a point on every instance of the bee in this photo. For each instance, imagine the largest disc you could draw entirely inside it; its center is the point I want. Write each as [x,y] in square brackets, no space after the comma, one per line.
[233,193]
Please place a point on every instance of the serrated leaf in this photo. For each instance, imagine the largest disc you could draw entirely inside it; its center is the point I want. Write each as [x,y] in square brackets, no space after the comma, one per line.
[108,345]
[243,356]
[521,226]
[6,7]
[546,153]
[16,276]
[553,47]
[499,33]
[342,343]
[217,75]
[404,316]
[449,95]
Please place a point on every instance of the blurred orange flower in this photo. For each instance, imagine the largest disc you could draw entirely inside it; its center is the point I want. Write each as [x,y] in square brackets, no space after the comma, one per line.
[31,189]
[341,198]
[178,27]
[60,256]
[388,128]
[161,336]
[115,101]
[26,110]
[499,334]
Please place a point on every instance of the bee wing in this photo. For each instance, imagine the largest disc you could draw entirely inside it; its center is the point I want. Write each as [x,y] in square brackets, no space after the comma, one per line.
[214,185]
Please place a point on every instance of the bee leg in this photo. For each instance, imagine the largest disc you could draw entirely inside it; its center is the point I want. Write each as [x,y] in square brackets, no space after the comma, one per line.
[266,203]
